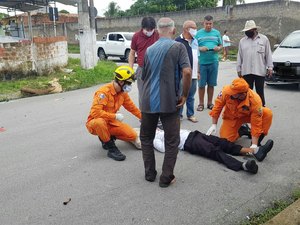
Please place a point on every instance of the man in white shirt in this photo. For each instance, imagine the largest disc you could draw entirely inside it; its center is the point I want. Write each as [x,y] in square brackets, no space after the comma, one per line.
[191,44]
[217,149]
[254,60]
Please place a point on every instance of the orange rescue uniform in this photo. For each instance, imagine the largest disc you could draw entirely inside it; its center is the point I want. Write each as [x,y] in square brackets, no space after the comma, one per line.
[102,118]
[237,113]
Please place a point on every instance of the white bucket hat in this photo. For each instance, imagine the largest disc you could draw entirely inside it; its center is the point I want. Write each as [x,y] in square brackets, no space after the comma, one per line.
[249,25]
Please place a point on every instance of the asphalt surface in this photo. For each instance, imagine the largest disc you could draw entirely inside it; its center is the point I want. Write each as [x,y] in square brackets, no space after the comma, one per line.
[47,157]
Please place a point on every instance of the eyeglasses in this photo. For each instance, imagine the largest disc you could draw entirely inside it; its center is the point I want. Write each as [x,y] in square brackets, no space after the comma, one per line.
[239,96]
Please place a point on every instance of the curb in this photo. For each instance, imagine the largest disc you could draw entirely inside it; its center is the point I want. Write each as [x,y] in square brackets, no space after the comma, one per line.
[289,216]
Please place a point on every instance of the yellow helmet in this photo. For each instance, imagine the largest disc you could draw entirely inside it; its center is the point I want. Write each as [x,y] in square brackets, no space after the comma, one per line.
[124,73]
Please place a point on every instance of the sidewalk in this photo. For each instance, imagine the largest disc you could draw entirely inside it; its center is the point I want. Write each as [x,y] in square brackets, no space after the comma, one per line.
[289,216]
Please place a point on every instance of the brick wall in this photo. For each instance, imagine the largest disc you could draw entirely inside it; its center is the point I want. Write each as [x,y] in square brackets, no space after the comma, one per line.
[40,56]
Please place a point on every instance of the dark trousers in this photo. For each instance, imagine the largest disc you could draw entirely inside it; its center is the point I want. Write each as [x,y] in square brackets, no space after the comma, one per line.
[259,85]
[171,125]
[214,148]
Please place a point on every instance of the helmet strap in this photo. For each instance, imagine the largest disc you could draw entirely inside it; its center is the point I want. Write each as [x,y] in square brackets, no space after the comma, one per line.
[120,85]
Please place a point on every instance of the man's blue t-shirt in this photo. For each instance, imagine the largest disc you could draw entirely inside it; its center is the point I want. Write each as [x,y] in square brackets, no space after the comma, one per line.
[210,40]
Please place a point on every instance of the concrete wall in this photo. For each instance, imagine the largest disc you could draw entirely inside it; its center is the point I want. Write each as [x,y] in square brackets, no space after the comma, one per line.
[276,18]
[41,56]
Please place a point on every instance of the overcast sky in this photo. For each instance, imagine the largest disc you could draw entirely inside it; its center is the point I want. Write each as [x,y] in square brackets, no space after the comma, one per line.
[102,5]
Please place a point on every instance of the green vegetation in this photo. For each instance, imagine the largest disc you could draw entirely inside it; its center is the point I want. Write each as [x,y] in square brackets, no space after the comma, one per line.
[269,213]
[142,7]
[64,11]
[78,78]
[3,15]
[73,48]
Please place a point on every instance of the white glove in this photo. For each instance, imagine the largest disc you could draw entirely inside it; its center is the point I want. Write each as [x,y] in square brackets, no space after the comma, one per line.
[119,116]
[253,146]
[212,129]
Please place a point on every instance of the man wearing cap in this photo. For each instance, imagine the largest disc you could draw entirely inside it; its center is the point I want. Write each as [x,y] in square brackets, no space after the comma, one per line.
[241,105]
[104,119]
[254,60]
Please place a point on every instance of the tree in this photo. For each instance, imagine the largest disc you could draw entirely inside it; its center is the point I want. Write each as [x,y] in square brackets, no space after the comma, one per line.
[232,2]
[112,10]
[64,11]
[141,7]
[3,15]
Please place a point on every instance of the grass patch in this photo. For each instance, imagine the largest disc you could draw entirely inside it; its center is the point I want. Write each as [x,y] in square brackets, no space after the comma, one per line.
[276,207]
[73,48]
[78,78]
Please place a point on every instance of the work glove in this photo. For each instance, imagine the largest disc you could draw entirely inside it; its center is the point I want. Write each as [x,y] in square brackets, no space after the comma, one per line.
[212,129]
[119,116]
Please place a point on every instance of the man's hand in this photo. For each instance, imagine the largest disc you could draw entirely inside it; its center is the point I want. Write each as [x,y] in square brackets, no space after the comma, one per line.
[217,48]
[270,72]
[239,74]
[119,116]
[203,49]
[212,129]
[181,102]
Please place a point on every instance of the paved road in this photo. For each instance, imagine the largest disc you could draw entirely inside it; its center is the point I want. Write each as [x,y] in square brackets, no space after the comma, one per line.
[47,157]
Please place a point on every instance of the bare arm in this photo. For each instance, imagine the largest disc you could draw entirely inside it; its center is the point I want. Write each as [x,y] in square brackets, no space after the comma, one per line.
[186,83]
[131,58]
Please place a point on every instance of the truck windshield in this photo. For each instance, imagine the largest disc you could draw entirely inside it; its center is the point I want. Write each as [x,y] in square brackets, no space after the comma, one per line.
[291,41]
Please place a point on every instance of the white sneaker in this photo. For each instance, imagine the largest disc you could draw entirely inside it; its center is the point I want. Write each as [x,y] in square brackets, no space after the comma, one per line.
[137,143]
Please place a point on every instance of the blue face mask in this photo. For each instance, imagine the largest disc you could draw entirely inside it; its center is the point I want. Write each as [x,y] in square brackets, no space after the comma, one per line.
[127,88]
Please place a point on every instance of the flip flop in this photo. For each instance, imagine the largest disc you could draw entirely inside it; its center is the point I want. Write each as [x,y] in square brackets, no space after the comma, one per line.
[193,119]
[200,108]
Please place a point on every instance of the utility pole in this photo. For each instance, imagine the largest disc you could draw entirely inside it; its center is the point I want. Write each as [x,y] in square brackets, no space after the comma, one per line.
[87,34]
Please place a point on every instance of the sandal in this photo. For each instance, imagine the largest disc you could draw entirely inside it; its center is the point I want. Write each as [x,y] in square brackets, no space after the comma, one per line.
[210,106]
[200,108]
[193,119]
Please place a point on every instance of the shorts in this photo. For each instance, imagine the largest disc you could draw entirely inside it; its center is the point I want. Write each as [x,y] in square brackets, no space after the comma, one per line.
[208,74]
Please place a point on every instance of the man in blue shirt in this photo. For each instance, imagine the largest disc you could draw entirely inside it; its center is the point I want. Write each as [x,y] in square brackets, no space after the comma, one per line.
[164,63]
[210,43]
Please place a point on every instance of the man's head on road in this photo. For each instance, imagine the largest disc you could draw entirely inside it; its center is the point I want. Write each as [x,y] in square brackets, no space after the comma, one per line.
[124,76]
[189,29]
[208,23]
[166,27]
[239,89]
[148,25]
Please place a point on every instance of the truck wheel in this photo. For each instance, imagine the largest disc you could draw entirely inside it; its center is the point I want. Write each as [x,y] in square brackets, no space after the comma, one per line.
[126,56]
[101,54]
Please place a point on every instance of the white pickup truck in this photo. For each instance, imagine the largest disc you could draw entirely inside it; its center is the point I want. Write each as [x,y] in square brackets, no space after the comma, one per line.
[115,44]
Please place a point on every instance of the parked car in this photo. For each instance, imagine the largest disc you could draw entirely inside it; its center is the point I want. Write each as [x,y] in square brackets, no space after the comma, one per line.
[115,44]
[286,60]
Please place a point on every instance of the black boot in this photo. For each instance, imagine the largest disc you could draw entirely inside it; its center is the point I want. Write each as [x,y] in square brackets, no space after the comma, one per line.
[113,151]
[245,130]
[104,146]
[251,166]
[263,150]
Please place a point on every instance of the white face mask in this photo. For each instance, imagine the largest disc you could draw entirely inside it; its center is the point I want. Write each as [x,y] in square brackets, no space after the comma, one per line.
[193,32]
[148,33]
[127,88]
